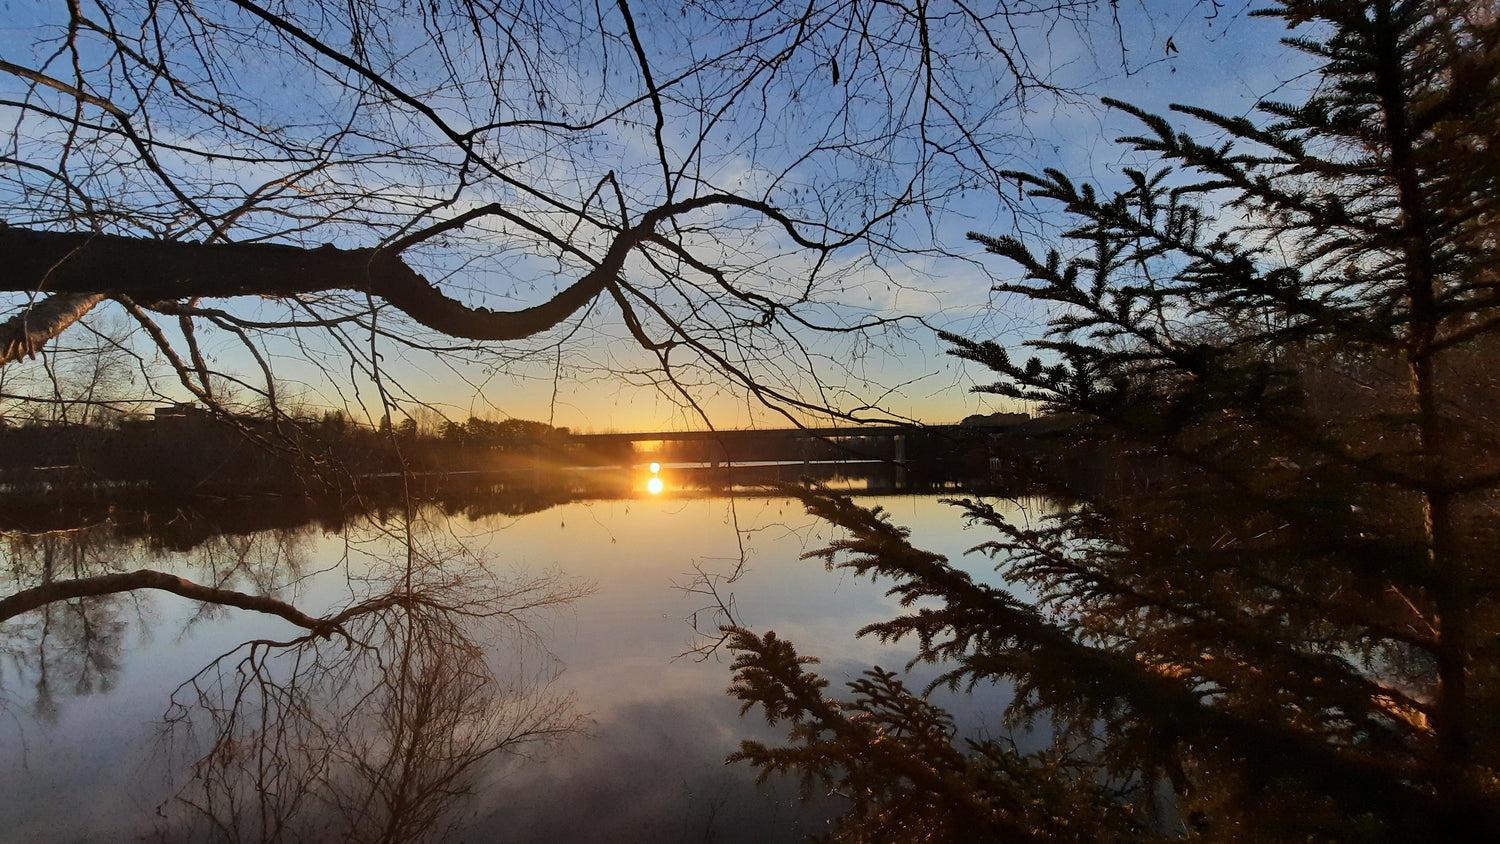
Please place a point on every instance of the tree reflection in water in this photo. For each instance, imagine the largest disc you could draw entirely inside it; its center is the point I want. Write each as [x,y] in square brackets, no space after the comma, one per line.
[66,647]
[370,724]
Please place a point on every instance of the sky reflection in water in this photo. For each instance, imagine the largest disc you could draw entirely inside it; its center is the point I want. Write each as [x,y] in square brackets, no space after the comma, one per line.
[651,765]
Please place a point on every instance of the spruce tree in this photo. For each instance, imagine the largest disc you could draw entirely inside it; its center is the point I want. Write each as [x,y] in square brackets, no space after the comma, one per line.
[1280,623]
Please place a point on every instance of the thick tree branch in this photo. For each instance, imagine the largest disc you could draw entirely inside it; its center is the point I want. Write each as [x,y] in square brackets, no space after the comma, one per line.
[89,264]
[28,331]
[156,270]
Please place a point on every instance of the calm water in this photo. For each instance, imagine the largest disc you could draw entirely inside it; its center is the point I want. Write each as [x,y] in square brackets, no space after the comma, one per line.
[101,741]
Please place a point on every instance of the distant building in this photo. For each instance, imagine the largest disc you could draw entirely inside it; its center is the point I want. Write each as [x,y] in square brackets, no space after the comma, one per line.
[995,420]
[181,416]
[181,410]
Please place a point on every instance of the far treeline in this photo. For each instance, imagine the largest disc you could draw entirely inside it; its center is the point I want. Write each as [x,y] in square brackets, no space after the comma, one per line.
[186,449]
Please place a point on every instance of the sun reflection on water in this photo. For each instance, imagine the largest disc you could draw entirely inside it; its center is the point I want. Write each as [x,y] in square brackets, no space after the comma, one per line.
[655,486]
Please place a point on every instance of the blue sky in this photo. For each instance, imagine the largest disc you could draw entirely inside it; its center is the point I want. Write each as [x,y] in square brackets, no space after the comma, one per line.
[590,374]
[1224,62]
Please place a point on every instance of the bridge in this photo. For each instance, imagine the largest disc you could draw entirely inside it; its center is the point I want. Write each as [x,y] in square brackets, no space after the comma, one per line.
[759,434]
[889,443]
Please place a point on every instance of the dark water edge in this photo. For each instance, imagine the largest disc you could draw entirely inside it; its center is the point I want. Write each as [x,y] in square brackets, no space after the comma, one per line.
[178,520]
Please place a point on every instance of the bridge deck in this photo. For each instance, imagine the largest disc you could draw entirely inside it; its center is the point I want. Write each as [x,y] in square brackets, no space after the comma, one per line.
[766,434]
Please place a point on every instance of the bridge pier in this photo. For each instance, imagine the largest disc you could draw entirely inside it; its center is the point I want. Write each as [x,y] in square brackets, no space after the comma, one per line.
[898,447]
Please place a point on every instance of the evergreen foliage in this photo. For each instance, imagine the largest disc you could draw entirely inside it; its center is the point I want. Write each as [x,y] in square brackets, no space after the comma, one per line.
[1288,630]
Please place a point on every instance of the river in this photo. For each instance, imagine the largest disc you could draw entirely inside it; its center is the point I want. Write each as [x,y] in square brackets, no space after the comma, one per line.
[113,729]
